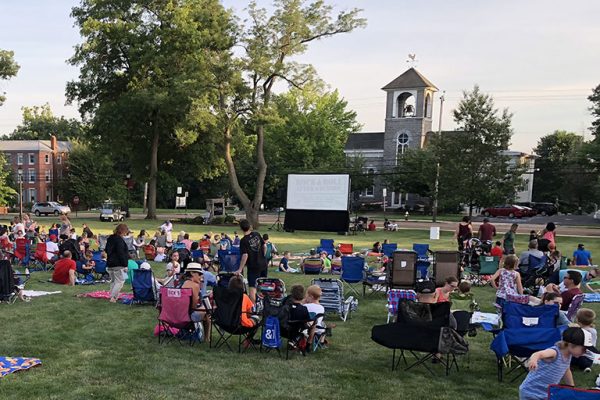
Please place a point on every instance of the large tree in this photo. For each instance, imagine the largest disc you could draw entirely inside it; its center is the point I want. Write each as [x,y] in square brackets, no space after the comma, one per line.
[40,123]
[8,69]
[270,45]
[594,98]
[473,169]
[143,64]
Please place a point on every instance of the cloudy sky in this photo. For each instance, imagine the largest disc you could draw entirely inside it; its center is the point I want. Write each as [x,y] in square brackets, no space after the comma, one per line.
[539,58]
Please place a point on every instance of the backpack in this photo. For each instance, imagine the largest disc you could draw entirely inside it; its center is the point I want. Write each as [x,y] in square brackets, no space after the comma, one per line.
[271,337]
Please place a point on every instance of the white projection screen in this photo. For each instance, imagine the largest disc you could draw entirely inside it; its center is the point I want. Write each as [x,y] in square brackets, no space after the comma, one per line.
[318,192]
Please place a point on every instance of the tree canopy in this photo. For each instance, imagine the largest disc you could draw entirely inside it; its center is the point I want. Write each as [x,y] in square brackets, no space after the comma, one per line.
[40,123]
[8,69]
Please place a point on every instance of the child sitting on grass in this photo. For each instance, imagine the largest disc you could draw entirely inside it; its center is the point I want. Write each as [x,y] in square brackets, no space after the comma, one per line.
[463,299]
[497,250]
[585,319]
[548,367]
[284,264]
[89,263]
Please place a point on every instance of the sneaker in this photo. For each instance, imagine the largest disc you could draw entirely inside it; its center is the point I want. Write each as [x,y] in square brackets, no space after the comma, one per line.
[587,370]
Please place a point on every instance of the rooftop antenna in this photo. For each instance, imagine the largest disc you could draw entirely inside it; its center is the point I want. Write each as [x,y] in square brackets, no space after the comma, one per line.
[412,60]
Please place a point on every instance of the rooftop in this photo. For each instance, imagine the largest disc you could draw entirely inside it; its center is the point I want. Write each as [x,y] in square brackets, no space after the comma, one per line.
[33,145]
[365,141]
[411,78]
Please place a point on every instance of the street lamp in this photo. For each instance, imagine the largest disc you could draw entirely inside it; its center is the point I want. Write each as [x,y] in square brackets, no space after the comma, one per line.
[20,178]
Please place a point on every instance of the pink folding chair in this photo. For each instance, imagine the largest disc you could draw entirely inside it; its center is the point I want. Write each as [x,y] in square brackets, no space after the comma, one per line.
[174,321]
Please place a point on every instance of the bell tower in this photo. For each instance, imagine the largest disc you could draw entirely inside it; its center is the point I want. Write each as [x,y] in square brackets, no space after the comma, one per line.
[409,107]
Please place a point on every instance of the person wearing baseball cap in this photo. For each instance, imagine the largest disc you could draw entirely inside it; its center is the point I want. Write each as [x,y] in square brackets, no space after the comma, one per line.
[52,248]
[548,367]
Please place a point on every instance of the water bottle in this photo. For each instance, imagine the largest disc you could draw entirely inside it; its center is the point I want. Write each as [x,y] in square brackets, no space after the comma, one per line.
[27,271]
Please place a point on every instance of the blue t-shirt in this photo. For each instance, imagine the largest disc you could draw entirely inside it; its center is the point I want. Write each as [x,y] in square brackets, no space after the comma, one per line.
[582,257]
[283,264]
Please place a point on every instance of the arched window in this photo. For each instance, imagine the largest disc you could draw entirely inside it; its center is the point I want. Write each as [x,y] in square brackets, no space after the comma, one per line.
[427,110]
[405,105]
[402,143]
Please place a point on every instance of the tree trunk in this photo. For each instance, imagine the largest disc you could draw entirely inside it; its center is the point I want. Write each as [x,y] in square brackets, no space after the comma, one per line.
[233,179]
[261,175]
[153,172]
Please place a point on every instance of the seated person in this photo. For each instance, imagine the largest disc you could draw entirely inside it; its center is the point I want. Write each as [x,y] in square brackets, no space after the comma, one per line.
[532,250]
[376,247]
[160,254]
[372,226]
[463,299]
[193,279]
[551,298]
[426,292]
[581,256]
[497,250]
[442,294]
[572,280]
[248,319]
[71,245]
[313,258]
[311,302]
[284,264]
[298,313]
[585,319]
[89,263]
[174,263]
[326,261]
[131,266]
[64,270]
[52,250]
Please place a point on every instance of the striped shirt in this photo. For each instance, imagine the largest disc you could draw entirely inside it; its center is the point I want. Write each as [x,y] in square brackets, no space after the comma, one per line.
[535,386]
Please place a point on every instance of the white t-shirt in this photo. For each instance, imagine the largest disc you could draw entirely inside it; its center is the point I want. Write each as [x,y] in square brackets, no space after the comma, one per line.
[314,309]
[18,227]
[51,249]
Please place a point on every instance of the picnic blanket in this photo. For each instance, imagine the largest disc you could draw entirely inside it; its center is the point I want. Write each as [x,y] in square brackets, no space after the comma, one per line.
[591,297]
[103,294]
[38,293]
[8,365]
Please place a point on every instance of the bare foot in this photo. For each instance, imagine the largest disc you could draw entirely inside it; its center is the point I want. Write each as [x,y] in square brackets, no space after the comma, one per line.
[112,300]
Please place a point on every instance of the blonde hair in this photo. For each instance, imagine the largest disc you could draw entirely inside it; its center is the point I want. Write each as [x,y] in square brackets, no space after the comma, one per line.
[511,262]
[585,317]
[314,291]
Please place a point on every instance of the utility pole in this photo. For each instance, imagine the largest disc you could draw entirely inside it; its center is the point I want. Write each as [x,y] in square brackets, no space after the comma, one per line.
[20,178]
[434,209]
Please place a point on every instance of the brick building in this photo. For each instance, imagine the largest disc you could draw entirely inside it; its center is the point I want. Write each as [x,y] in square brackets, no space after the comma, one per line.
[39,163]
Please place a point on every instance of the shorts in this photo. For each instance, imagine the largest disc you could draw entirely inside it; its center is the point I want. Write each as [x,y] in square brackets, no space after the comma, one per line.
[253,275]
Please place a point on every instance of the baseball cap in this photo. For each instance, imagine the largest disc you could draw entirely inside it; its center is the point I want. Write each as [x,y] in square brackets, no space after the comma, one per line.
[580,337]
[145,265]
[53,237]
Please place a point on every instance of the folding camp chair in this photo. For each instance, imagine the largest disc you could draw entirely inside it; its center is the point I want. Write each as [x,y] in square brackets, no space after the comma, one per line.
[393,297]
[576,303]
[40,257]
[149,252]
[327,246]
[424,331]
[22,251]
[332,297]
[11,282]
[346,248]
[559,392]
[402,274]
[353,271]
[423,262]
[526,329]
[143,287]
[388,249]
[229,263]
[336,267]
[226,318]
[445,264]
[312,266]
[488,265]
[174,321]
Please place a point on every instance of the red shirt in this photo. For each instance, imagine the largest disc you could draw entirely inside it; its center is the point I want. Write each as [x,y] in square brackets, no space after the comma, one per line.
[496,251]
[61,270]
[486,231]
[567,297]
[372,227]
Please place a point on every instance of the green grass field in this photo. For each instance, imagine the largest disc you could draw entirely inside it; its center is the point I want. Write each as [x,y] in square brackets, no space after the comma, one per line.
[93,349]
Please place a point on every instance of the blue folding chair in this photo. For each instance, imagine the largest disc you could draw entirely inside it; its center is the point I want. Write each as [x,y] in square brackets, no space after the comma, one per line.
[198,255]
[559,392]
[423,262]
[353,271]
[526,329]
[142,286]
[229,262]
[327,246]
[388,249]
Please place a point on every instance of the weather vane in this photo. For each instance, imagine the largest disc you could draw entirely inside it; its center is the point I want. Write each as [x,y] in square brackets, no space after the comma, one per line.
[412,60]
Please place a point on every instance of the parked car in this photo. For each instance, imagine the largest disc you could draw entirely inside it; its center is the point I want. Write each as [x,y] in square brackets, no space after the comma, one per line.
[506,210]
[50,207]
[541,208]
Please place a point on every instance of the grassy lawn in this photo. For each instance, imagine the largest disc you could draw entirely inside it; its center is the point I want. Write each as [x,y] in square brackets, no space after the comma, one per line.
[93,349]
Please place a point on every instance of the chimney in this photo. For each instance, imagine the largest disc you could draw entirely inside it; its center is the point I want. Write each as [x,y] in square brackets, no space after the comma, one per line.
[53,144]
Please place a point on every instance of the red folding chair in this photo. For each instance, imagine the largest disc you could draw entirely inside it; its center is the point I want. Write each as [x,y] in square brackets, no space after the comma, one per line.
[41,256]
[21,248]
[346,248]
[149,252]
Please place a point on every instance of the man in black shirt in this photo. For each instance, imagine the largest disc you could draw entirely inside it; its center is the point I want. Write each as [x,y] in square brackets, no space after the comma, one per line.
[253,250]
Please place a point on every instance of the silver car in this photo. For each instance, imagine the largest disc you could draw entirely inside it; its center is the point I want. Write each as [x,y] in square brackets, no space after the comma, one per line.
[49,207]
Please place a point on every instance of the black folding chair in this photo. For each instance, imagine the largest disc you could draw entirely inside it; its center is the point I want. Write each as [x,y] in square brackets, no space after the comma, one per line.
[226,318]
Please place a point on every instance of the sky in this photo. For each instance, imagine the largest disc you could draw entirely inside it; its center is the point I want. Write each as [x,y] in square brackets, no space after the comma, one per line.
[538,58]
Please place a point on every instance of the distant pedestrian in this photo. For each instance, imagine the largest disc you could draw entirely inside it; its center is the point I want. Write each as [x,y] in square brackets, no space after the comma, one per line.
[509,239]
[486,231]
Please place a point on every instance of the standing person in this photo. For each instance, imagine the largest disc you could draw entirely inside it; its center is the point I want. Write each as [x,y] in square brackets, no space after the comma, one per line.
[372,226]
[87,231]
[547,236]
[509,239]
[464,232]
[486,231]
[548,367]
[65,225]
[117,259]
[253,250]
[509,282]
